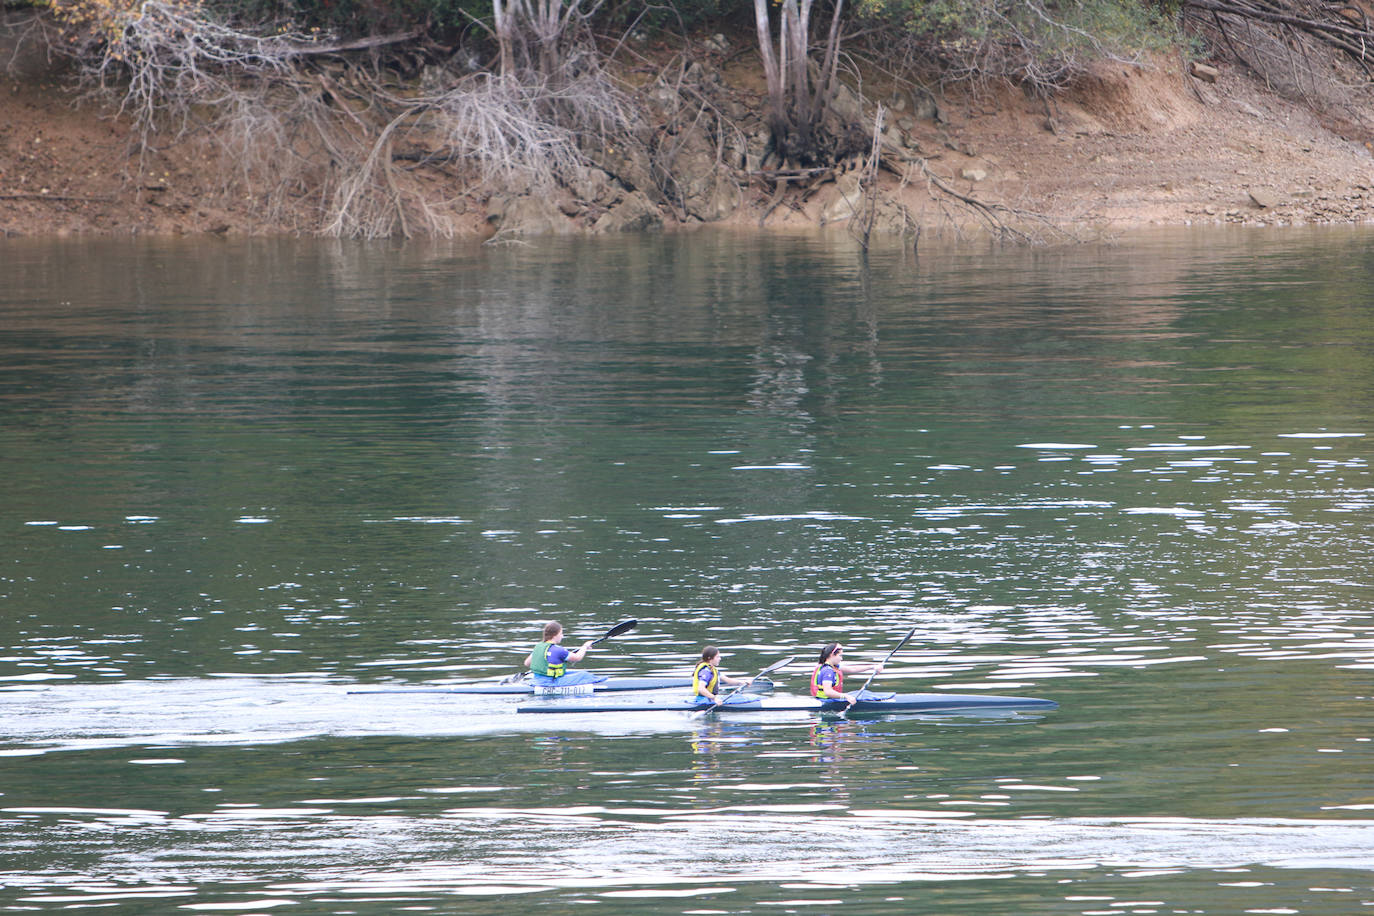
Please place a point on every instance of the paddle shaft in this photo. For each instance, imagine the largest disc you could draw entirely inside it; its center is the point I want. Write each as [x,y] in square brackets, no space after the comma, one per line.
[769,670]
[624,626]
[874,673]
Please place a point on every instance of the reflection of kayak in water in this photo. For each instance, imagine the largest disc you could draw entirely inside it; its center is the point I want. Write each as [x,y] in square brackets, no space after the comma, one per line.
[870,704]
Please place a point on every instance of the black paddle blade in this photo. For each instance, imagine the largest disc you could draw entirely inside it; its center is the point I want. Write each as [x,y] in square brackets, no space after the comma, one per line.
[624,626]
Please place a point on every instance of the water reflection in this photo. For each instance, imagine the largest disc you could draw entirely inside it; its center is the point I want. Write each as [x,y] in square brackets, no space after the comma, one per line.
[610,854]
[244,479]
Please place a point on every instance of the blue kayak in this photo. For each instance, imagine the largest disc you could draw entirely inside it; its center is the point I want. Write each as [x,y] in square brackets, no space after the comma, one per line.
[878,704]
[526,688]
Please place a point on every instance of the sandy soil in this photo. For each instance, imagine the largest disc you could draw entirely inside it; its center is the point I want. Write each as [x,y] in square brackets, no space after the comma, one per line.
[67,169]
[1126,148]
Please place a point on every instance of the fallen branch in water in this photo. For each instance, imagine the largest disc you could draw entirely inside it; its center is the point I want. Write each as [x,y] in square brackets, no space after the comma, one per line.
[992,214]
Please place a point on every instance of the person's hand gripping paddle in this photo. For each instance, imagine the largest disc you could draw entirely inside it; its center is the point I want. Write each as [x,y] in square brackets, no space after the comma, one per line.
[858,694]
[624,626]
[723,700]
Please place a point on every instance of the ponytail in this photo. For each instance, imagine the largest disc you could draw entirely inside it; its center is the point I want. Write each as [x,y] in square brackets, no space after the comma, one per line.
[826,652]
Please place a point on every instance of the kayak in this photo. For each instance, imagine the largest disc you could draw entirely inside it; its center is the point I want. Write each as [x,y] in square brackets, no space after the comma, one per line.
[525,688]
[878,704]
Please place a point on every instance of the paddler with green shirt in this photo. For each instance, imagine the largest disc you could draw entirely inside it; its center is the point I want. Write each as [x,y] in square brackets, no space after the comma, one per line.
[549,661]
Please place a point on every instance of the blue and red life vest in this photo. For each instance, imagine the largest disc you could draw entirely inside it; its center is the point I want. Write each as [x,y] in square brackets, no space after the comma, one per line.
[838,683]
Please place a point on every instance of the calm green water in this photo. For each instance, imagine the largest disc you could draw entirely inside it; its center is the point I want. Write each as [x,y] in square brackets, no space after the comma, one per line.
[243,479]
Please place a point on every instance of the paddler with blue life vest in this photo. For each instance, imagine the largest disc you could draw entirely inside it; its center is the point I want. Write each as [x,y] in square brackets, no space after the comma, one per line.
[549,661]
[707,678]
[827,681]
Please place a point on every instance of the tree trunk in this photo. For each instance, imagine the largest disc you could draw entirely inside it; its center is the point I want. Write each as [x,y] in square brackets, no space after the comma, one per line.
[798,101]
[771,74]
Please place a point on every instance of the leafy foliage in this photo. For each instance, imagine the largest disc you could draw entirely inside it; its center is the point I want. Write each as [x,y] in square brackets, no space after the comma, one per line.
[94,20]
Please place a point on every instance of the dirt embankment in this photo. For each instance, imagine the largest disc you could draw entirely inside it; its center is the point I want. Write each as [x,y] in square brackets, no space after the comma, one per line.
[1127,147]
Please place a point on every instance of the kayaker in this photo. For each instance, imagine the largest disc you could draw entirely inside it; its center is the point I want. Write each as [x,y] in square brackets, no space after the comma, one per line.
[827,681]
[549,661]
[707,678]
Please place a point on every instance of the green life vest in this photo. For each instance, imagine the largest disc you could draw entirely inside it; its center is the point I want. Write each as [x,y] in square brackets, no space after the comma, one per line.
[539,661]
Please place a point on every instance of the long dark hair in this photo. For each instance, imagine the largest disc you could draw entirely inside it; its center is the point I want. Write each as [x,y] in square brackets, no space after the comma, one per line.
[829,650]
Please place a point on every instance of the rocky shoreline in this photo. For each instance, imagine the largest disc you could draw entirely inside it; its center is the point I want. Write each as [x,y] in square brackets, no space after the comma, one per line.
[1125,147]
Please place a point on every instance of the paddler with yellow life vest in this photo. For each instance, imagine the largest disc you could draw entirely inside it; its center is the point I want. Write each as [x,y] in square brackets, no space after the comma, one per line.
[827,681]
[549,661]
[707,678]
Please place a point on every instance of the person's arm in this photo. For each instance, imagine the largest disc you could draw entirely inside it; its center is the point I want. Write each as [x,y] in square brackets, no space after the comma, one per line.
[529,660]
[732,681]
[862,667]
[827,690]
[578,654]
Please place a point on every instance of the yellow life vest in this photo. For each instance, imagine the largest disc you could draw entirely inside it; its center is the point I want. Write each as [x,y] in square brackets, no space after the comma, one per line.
[710,685]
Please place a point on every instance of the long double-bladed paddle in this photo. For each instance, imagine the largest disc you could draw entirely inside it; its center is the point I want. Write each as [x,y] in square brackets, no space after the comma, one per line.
[874,673]
[624,626]
[769,670]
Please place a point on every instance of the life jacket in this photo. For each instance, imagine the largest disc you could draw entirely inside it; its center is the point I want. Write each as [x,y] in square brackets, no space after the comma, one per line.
[815,679]
[710,685]
[539,661]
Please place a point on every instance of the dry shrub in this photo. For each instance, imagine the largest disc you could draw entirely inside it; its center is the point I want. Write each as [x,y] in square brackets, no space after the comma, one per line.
[1038,44]
[528,129]
[1321,54]
[294,113]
